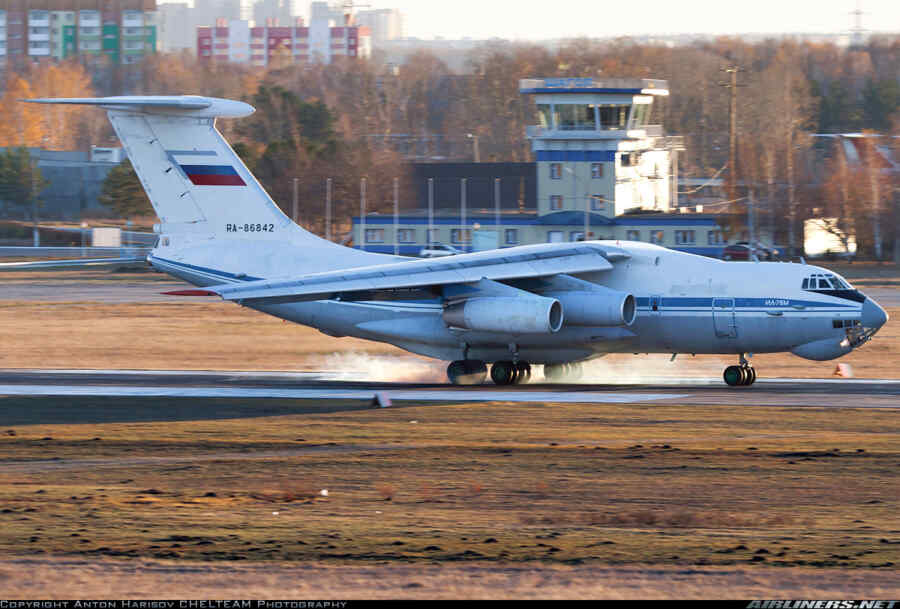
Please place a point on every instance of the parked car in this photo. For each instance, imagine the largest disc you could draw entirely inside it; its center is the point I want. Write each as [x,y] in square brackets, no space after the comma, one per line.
[436,250]
[763,252]
[743,250]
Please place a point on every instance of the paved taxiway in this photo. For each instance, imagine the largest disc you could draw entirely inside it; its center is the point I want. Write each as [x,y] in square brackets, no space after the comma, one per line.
[825,393]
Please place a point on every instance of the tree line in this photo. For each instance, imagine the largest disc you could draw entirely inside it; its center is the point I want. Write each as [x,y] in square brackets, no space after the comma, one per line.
[317,121]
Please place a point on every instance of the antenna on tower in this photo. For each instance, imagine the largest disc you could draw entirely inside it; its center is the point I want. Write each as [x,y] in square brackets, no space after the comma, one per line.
[857,33]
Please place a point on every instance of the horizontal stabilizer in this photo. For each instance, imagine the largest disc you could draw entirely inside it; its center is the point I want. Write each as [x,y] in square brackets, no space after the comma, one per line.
[189,293]
[49,264]
[182,105]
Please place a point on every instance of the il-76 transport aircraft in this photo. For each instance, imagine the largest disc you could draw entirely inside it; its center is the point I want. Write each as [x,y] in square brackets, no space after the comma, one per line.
[556,304]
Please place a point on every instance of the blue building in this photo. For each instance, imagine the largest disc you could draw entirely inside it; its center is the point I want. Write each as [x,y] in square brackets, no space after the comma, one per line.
[602,170]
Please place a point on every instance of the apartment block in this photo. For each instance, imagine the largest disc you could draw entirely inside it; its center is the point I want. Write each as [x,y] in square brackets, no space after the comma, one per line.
[261,46]
[123,30]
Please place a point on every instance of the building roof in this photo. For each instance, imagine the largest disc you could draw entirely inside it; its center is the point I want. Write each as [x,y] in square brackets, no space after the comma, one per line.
[628,86]
[560,218]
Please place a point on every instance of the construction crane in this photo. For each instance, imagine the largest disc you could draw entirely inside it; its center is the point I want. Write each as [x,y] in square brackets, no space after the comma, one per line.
[348,6]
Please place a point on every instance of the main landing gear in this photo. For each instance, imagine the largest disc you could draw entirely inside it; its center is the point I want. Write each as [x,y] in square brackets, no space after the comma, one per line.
[742,375]
[474,372]
[467,372]
[510,373]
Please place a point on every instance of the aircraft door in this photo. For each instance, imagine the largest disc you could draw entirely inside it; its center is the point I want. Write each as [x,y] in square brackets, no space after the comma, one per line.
[723,317]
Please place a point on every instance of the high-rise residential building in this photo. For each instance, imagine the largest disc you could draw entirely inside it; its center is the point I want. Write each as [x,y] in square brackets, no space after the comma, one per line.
[385,24]
[272,12]
[265,45]
[325,12]
[176,24]
[207,11]
[123,30]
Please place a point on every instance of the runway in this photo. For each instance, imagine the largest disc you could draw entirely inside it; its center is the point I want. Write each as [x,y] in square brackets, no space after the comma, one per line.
[824,393]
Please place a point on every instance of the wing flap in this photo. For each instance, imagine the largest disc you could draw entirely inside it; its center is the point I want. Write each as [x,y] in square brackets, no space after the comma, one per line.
[527,261]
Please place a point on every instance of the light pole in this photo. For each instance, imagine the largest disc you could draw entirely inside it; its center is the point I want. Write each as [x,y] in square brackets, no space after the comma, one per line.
[396,216]
[362,214]
[296,206]
[84,226]
[36,235]
[475,147]
[328,209]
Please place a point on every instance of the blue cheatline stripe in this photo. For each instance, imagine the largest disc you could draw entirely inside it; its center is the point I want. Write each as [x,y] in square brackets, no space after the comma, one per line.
[576,155]
[209,170]
[739,303]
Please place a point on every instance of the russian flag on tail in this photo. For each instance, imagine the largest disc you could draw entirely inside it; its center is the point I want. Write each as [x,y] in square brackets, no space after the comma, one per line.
[213,175]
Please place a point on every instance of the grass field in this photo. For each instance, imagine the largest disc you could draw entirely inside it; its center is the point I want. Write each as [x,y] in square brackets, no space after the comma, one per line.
[612,484]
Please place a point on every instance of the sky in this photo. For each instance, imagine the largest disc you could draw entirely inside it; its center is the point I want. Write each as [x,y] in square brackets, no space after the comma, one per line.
[522,20]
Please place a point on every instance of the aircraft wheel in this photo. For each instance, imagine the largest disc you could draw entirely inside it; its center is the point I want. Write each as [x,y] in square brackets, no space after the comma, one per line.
[733,376]
[523,373]
[503,373]
[751,375]
[467,372]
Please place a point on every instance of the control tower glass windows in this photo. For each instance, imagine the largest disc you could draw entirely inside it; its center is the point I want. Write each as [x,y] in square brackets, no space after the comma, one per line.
[545,115]
[614,116]
[575,117]
[641,115]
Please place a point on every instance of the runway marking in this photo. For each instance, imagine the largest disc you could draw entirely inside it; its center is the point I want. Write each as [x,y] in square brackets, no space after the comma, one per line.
[443,395]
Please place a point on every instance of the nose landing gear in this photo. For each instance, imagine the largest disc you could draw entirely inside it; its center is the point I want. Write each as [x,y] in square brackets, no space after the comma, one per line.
[742,375]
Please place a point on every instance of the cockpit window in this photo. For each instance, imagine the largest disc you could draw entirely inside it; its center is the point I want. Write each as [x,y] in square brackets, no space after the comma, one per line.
[825,281]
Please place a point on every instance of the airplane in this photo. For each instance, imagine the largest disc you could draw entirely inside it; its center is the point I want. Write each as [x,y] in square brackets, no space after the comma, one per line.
[555,304]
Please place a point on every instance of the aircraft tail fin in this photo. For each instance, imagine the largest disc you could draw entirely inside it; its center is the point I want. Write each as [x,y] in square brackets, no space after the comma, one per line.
[195,181]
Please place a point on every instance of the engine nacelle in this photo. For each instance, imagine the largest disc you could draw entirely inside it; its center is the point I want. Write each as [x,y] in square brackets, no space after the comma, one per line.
[597,307]
[512,315]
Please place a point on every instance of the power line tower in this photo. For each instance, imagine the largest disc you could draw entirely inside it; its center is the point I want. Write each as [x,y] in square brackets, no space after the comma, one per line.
[857,32]
[732,84]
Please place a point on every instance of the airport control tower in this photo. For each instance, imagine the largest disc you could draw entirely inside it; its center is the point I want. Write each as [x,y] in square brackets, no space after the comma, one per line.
[596,145]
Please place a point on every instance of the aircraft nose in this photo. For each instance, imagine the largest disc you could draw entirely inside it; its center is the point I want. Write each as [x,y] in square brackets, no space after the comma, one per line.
[873,316]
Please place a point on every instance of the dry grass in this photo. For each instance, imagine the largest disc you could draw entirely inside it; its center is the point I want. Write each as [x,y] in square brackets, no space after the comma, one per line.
[66,578]
[561,483]
[189,336]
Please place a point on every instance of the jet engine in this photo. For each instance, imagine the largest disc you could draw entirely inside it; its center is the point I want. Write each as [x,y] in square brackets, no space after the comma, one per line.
[529,314]
[597,307]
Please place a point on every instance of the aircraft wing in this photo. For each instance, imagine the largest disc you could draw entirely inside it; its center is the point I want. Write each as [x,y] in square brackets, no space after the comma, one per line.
[539,260]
